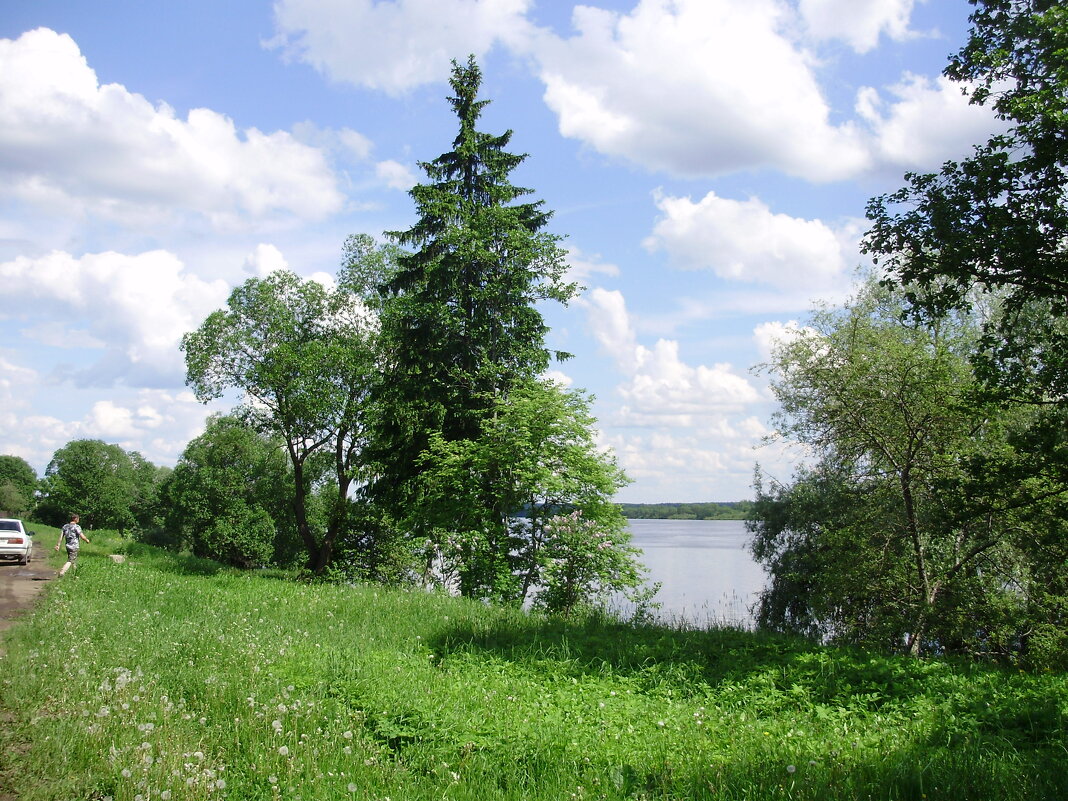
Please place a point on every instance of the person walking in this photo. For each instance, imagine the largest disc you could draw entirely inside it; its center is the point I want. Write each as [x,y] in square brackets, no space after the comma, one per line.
[73,536]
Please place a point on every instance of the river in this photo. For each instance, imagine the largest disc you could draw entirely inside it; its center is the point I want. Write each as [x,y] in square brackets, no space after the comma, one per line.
[706,573]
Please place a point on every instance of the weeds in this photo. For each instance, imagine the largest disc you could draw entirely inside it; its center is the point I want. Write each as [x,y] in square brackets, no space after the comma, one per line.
[172,678]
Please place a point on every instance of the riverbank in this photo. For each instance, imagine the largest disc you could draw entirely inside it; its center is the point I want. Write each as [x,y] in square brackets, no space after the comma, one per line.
[172,678]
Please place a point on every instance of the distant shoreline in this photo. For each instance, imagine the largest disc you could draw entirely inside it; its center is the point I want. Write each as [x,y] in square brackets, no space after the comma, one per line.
[730,510]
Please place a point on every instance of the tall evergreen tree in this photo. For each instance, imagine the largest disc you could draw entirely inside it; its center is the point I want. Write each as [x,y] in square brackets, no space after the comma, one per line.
[461,320]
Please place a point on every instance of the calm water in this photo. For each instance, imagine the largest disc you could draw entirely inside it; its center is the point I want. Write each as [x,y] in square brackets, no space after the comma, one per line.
[705,569]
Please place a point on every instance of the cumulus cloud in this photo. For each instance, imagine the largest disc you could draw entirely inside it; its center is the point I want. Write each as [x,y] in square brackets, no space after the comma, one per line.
[928,122]
[68,141]
[395,175]
[696,87]
[857,23]
[770,335]
[660,388]
[746,241]
[157,423]
[264,260]
[392,45]
[137,306]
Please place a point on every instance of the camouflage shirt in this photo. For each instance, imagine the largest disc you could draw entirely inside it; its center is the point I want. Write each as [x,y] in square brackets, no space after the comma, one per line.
[72,534]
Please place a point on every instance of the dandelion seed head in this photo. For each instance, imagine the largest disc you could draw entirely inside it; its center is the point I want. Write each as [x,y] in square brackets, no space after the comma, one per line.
[791,768]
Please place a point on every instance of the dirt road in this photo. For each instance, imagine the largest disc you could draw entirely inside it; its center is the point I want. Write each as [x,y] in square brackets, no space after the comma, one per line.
[21,584]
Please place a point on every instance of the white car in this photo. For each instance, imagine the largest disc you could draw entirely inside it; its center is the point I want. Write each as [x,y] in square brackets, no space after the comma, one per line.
[15,541]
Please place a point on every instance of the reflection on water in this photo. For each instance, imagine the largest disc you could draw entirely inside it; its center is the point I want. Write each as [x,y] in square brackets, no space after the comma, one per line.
[704,567]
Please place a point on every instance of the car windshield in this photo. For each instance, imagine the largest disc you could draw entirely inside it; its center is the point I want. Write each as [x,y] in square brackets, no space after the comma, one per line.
[9,525]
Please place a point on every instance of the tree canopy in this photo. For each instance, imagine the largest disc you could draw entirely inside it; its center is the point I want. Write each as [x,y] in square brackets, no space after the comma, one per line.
[996,221]
[18,486]
[107,486]
[923,522]
[303,356]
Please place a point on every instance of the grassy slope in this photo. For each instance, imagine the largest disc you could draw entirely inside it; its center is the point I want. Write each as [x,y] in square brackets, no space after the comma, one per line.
[168,678]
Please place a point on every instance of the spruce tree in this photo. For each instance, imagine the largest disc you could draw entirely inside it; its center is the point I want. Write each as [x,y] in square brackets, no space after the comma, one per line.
[460,319]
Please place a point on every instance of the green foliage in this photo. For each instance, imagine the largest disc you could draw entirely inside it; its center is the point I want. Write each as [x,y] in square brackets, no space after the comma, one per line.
[18,487]
[583,563]
[107,486]
[731,510]
[417,696]
[916,526]
[460,322]
[304,357]
[536,452]
[225,497]
[995,221]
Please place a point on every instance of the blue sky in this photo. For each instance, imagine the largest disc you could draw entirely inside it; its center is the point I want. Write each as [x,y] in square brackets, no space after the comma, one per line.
[707,160]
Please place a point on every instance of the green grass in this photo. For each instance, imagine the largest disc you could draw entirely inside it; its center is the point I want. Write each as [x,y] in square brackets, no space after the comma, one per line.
[172,678]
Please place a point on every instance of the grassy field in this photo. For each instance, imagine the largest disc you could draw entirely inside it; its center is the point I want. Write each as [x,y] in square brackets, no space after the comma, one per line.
[170,678]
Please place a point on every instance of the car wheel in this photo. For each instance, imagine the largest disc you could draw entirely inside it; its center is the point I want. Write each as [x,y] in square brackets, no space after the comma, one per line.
[24,559]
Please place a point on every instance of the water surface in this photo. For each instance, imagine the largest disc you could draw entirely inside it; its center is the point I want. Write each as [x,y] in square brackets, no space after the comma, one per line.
[704,567]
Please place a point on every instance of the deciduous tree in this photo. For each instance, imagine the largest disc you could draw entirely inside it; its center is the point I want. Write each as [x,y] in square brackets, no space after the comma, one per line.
[18,486]
[303,356]
[894,535]
[996,220]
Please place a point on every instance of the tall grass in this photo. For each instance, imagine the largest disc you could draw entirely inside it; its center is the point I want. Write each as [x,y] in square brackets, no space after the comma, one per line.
[171,678]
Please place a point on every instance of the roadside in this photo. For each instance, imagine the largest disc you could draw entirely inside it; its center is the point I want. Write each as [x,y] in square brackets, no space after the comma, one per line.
[21,584]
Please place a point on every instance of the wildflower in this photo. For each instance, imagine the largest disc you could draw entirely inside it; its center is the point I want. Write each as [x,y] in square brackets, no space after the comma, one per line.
[277,726]
[283,751]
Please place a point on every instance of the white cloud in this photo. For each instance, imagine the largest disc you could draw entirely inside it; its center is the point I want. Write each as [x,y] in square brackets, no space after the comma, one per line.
[696,87]
[264,260]
[393,45]
[710,466]
[661,389]
[558,377]
[395,175]
[928,122]
[581,267]
[344,143]
[138,306]
[61,335]
[771,334]
[158,423]
[746,241]
[100,149]
[858,22]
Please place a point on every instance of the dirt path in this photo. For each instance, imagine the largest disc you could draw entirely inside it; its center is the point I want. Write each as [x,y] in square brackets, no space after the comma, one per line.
[19,587]
[21,584]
